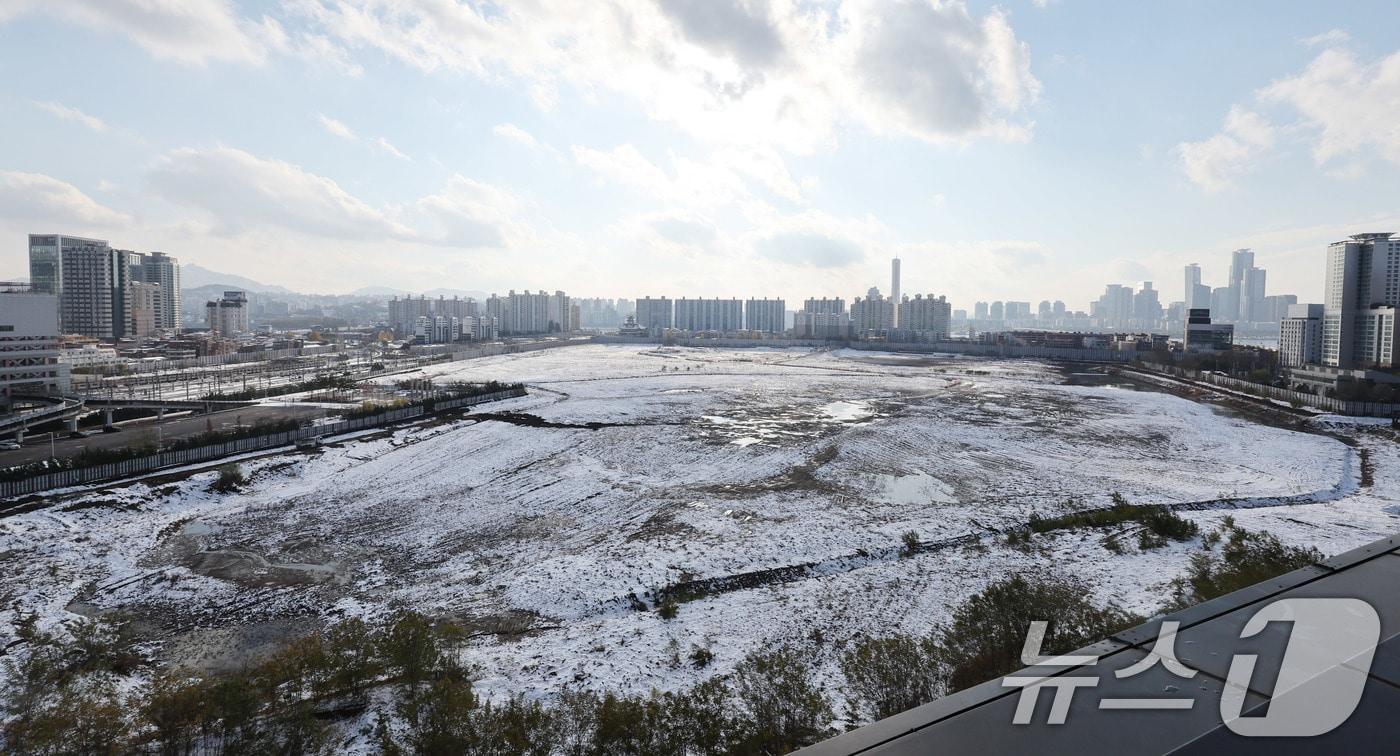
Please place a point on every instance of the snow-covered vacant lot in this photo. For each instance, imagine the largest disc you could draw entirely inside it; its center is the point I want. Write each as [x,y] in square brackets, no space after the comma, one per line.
[705,463]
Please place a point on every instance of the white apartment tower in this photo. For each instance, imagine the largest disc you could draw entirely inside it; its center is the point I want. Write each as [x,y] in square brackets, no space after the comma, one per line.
[894,288]
[655,313]
[928,316]
[1300,336]
[722,315]
[1362,291]
[164,271]
[228,317]
[765,315]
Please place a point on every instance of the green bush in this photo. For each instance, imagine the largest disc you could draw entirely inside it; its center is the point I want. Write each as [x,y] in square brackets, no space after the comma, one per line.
[988,631]
[1236,558]
[885,676]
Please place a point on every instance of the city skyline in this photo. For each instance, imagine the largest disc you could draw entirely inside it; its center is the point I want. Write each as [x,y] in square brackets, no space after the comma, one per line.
[987,164]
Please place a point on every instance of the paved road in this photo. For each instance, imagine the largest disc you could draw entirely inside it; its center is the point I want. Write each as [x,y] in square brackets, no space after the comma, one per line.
[36,446]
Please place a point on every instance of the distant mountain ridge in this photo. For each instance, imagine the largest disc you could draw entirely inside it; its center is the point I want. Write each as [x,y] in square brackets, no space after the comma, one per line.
[198,277]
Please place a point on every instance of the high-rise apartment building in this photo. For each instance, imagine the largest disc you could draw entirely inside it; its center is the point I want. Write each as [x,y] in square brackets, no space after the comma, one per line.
[1241,261]
[821,325]
[872,315]
[1193,280]
[722,315]
[1300,336]
[765,315]
[894,288]
[926,315]
[655,314]
[1362,290]
[834,305]
[46,259]
[147,301]
[164,271]
[525,313]
[94,291]
[228,317]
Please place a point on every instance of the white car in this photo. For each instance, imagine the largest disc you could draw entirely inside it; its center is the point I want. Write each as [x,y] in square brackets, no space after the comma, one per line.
[9,446]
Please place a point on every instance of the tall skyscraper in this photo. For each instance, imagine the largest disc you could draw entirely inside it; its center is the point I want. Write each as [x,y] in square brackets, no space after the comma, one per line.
[1252,306]
[163,270]
[1241,261]
[94,291]
[1193,279]
[894,288]
[1360,299]
[46,259]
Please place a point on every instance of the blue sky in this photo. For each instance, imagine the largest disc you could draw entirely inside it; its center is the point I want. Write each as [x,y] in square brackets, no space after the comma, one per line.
[1016,150]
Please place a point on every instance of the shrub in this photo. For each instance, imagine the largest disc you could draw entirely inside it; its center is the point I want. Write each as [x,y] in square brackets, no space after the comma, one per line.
[780,709]
[230,479]
[885,676]
[988,630]
[910,539]
[700,657]
[1244,557]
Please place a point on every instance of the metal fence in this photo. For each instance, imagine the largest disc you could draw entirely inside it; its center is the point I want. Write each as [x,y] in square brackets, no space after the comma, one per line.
[1299,398]
[176,458]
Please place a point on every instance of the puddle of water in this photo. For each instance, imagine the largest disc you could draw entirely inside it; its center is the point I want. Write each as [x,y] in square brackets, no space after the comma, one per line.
[847,412]
[745,441]
[918,488]
[197,528]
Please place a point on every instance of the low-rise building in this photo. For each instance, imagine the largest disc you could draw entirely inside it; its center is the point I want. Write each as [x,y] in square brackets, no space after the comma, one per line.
[29,344]
[1204,336]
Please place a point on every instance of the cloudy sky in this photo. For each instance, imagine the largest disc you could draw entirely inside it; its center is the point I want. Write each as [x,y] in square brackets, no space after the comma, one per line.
[1027,149]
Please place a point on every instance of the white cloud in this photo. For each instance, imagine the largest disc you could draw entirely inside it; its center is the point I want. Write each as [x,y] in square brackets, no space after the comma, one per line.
[1213,164]
[186,31]
[239,193]
[1347,106]
[66,113]
[726,177]
[1341,106]
[780,73]
[1329,38]
[34,198]
[388,148]
[810,248]
[936,71]
[336,128]
[339,129]
[472,214]
[513,133]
